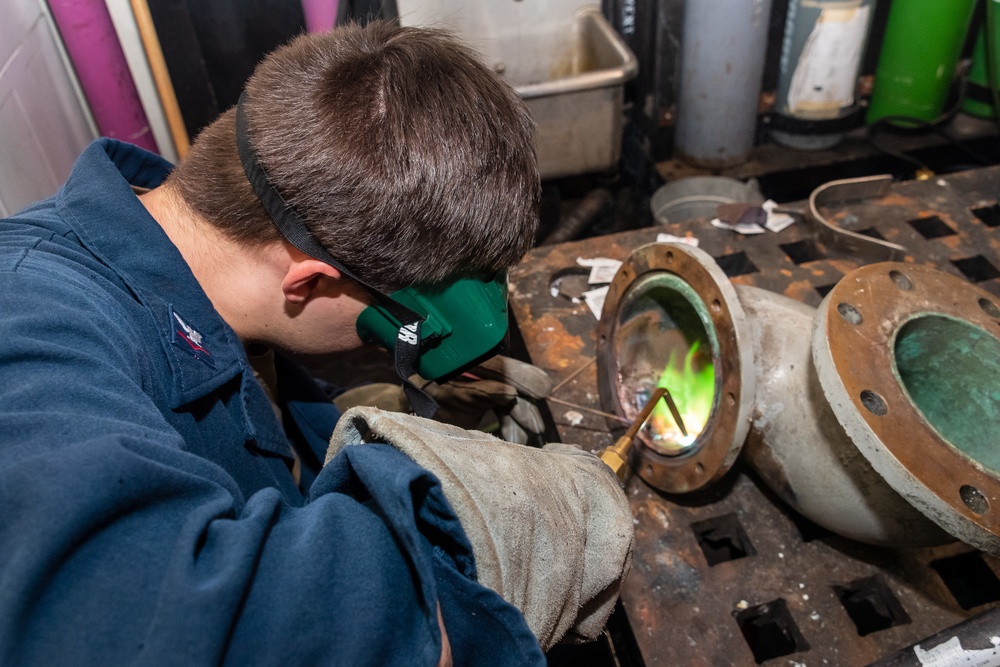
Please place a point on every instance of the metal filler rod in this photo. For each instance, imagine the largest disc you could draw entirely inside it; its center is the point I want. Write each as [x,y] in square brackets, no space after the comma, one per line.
[616,456]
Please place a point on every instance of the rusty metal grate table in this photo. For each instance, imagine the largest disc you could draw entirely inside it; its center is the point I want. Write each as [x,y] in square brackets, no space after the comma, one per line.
[780,591]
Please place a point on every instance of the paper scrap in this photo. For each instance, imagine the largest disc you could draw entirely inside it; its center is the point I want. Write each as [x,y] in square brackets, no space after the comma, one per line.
[595,300]
[602,269]
[741,213]
[595,261]
[776,221]
[951,653]
[670,238]
[752,228]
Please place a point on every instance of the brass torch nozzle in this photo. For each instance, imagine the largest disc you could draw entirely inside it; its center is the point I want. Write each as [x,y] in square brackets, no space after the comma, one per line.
[616,456]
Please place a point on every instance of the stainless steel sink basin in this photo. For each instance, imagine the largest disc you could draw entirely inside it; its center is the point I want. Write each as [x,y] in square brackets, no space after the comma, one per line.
[562,57]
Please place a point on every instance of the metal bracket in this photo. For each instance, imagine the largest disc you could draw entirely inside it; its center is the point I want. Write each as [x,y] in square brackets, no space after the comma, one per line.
[842,192]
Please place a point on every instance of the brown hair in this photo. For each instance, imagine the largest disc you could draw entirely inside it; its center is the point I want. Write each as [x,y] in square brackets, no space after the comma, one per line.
[409,160]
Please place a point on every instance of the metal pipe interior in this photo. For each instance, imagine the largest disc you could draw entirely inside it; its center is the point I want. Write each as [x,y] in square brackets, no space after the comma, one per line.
[949,369]
[663,339]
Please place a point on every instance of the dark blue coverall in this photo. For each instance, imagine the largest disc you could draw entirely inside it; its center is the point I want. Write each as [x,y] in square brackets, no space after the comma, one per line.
[147,510]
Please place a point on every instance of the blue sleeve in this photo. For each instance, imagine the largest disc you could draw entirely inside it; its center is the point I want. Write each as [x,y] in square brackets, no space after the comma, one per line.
[116,546]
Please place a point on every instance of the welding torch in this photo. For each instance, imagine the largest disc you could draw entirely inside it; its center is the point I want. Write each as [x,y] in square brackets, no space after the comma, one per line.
[616,456]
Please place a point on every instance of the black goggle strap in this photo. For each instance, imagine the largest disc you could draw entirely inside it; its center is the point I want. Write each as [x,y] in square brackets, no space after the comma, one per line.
[291,226]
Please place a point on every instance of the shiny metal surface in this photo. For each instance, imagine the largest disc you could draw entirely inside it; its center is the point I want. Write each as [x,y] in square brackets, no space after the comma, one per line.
[562,57]
[844,240]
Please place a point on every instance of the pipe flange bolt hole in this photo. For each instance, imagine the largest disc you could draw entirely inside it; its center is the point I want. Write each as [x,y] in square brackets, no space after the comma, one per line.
[901,280]
[989,308]
[850,313]
[874,403]
[973,499]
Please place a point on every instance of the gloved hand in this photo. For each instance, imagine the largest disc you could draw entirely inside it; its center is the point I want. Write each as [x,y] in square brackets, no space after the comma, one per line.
[551,529]
[497,395]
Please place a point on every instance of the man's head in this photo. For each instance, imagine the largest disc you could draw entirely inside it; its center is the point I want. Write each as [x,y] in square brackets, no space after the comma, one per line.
[408,159]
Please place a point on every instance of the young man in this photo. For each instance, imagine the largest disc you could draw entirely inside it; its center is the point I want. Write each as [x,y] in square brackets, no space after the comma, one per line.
[154,509]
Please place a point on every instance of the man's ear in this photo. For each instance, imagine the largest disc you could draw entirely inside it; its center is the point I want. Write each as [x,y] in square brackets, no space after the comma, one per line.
[303,277]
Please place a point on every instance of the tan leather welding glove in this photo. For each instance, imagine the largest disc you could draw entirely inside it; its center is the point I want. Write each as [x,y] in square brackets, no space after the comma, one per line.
[497,396]
[551,529]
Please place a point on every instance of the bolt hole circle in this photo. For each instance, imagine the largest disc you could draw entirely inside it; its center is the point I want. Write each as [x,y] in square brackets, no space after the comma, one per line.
[649,470]
[716,306]
[901,280]
[730,400]
[874,403]
[973,499]
[670,257]
[989,308]
[850,313]
[699,469]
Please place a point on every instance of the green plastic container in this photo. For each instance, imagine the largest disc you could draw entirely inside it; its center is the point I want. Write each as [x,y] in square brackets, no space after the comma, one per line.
[922,44]
[978,73]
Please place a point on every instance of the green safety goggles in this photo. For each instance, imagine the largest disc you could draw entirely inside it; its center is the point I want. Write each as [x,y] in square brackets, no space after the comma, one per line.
[465,322]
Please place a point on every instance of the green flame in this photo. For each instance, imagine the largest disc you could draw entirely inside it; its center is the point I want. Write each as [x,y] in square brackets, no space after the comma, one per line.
[691,384]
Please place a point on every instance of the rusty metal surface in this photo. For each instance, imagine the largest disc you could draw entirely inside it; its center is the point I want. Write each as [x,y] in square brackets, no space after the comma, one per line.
[684,611]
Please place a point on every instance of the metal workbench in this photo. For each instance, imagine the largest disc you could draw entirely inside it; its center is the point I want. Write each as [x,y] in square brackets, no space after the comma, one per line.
[731,576]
